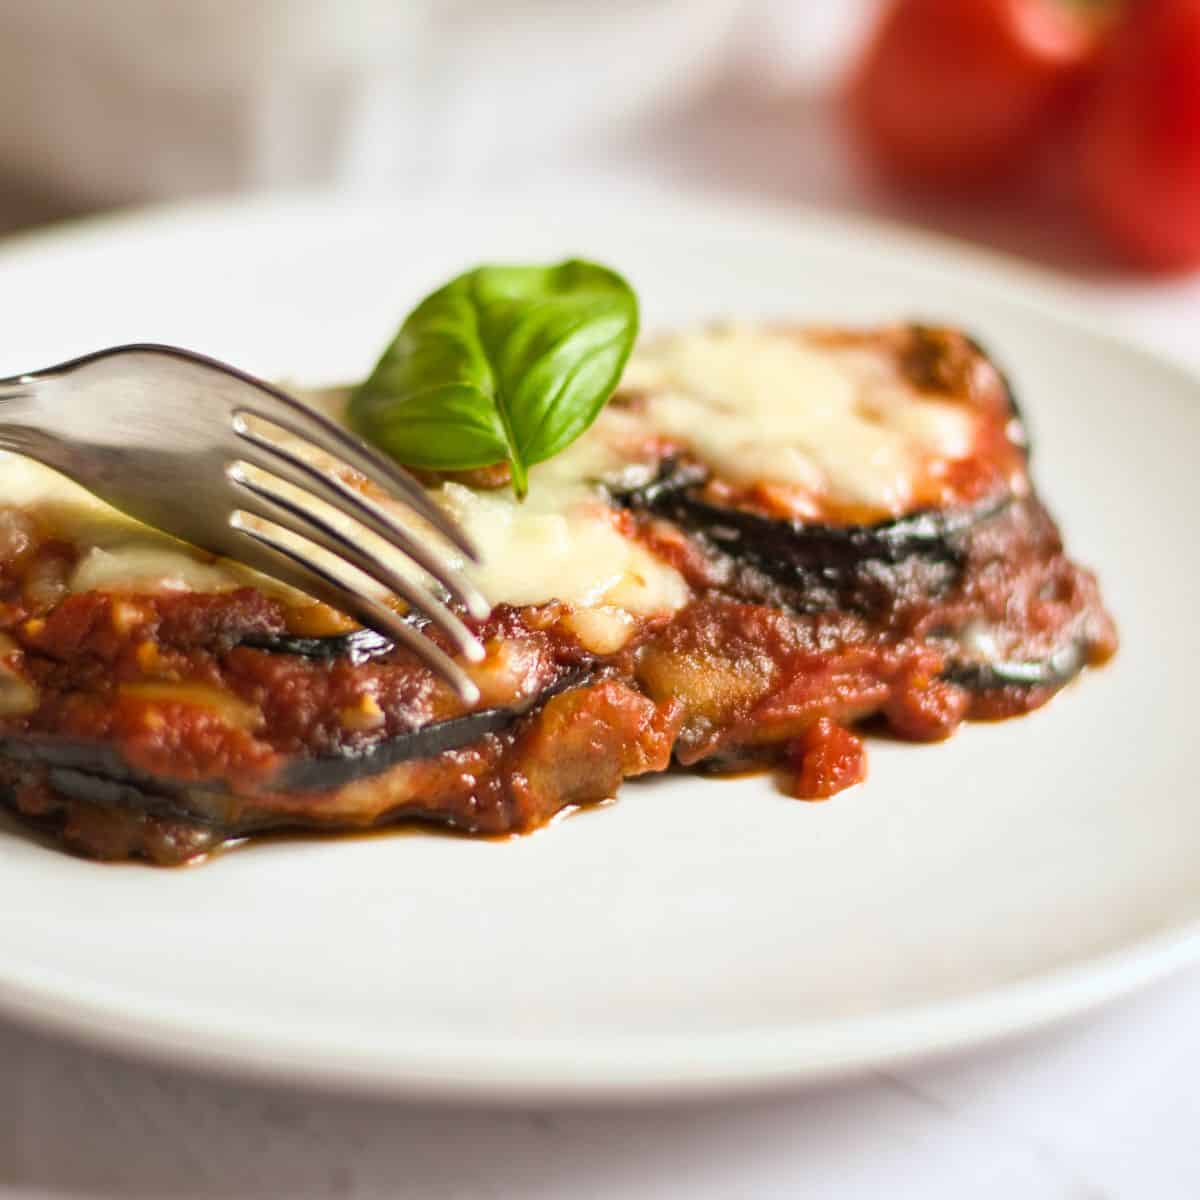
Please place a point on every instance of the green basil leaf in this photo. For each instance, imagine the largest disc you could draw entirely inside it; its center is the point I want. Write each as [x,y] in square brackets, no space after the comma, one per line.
[504,363]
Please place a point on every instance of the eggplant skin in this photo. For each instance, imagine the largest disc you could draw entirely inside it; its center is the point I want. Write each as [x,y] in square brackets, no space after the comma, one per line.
[787,622]
[112,793]
[819,567]
[93,771]
[359,646]
[331,771]
[1054,670]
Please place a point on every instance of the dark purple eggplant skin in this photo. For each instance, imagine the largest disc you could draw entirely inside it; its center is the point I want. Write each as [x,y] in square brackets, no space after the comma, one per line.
[360,646]
[91,770]
[815,567]
[112,793]
[1054,670]
[862,567]
[331,771]
[334,770]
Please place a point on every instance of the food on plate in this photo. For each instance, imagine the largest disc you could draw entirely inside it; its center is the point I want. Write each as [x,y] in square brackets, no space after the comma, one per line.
[767,537]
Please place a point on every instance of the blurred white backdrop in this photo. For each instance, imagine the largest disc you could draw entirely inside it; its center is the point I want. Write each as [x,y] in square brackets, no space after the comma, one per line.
[117,101]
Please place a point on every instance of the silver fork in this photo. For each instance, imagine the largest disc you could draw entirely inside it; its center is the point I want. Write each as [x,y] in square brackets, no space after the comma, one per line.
[167,437]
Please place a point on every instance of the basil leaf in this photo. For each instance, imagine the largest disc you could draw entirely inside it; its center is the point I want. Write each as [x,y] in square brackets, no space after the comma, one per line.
[504,363]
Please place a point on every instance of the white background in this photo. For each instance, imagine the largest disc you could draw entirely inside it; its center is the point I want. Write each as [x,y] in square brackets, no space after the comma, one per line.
[1106,1108]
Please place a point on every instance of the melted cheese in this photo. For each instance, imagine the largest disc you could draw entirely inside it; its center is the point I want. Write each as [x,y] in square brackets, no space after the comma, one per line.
[755,405]
[758,405]
[562,541]
[122,554]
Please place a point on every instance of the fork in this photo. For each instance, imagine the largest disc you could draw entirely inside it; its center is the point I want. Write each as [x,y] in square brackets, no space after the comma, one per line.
[187,445]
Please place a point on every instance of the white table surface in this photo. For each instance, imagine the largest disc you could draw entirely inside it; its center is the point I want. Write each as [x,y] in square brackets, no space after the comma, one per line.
[1107,1107]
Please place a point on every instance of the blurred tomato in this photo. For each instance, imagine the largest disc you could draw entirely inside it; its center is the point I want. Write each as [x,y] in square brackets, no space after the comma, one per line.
[954,92]
[1142,141]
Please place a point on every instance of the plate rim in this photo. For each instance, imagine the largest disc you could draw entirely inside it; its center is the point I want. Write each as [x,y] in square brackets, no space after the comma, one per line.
[630,1068]
[613,1069]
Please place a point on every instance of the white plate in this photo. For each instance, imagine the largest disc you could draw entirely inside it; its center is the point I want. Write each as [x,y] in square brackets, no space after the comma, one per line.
[698,935]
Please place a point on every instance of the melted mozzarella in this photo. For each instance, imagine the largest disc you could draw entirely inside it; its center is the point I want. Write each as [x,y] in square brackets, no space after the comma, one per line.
[758,405]
[121,554]
[562,542]
[755,405]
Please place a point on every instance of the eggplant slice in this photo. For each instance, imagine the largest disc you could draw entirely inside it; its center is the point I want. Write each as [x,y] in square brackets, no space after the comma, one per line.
[331,771]
[1055,670]
[822,568]
[360,646]
[816,567]
[93,771]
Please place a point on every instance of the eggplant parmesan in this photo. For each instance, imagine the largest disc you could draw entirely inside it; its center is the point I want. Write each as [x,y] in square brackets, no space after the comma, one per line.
[770,537]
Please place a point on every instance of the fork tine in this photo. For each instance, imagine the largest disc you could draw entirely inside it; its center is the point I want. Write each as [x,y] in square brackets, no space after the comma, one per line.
[280,461]
[301,421]
[276,558]
[279,509]
[298,419]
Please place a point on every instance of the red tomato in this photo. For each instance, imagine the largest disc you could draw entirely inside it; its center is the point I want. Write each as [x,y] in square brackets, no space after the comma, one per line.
[1142,142]
[953,92]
